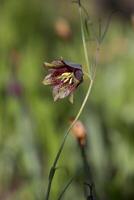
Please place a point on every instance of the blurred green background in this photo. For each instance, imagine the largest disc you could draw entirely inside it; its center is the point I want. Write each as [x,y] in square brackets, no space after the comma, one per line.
[32,125]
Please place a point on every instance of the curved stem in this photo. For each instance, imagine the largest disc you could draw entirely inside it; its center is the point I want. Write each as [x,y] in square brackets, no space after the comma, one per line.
[84,40]
[53,168]
[96,60]
[52,171]
[76,118]
[86,74]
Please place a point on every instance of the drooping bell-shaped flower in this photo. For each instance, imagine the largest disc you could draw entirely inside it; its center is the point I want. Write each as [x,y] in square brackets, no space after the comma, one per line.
[64,77]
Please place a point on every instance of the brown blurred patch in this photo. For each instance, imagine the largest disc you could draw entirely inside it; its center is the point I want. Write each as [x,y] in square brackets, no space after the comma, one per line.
[126,7]
[63,29]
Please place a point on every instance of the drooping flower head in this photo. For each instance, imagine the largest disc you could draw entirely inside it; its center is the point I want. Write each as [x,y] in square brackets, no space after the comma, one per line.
[64,77]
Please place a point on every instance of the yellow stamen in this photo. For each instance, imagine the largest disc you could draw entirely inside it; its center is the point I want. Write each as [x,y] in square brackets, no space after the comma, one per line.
[70,81]
[66,80]
[65,77]
[66,74]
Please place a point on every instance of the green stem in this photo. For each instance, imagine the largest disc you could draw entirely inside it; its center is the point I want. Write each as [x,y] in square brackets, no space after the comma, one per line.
[52,171]
[53,168]
[84,41]
[86,74]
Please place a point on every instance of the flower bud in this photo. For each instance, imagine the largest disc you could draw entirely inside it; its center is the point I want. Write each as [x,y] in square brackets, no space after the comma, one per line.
[80,133]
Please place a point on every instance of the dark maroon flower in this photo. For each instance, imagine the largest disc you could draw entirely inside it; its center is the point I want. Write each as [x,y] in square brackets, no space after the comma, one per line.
[64,77]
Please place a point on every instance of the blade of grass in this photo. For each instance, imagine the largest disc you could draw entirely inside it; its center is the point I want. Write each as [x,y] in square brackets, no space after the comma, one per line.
[65,188]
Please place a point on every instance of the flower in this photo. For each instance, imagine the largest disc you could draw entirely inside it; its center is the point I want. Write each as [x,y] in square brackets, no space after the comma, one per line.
[80,132]
[64,77]
[63,29]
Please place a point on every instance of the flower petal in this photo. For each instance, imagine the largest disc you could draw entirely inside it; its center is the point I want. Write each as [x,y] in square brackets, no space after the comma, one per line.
[79,75]
[54,64]
[58,63]
[48,80]
[71,98]
[62,90]
[72,65]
